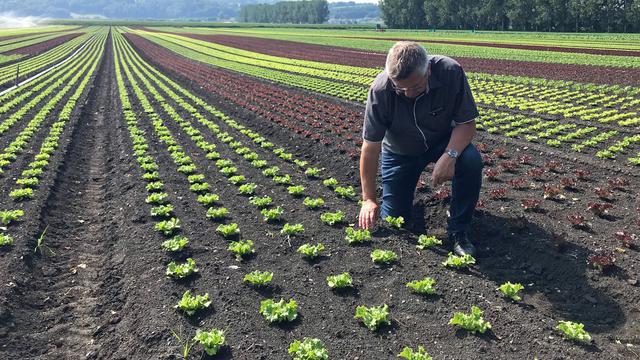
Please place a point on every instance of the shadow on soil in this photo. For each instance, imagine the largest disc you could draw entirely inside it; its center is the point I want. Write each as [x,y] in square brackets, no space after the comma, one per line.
[555,275]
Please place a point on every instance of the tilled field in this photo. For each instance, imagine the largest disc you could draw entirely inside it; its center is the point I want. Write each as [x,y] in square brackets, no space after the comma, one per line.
[86,276]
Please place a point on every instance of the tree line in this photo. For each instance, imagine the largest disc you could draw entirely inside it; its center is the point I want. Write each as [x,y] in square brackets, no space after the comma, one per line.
[292,12]
[518,15]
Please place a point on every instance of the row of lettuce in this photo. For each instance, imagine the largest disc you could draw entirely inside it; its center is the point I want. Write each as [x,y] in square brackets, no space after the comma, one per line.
[569,105]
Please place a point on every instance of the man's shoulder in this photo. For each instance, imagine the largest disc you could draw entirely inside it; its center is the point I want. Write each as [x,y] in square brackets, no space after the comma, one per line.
[441,63]
[381,82]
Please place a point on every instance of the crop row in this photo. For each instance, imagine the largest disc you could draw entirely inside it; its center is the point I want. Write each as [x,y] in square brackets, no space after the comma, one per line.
[552,132]
[17,46]
[514,96]
[28,97]
[30,65]
[454,50]
[28,182]
[18,145]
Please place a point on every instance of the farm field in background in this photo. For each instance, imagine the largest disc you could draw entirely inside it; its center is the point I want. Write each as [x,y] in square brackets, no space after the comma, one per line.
[157,183]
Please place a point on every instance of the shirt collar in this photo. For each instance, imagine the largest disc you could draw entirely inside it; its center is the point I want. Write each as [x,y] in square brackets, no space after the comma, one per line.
[434,83]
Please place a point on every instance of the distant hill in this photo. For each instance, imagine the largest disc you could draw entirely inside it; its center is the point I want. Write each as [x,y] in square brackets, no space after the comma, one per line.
[209,10]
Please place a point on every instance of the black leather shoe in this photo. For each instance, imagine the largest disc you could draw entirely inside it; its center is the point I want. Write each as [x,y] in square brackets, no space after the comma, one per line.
[461,244]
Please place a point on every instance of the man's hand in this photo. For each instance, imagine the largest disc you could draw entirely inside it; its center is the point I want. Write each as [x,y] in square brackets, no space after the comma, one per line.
[443,170]
[368,214]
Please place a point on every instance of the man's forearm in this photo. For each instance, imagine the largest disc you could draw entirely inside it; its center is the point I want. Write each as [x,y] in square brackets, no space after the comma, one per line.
[368,171]
[462,136]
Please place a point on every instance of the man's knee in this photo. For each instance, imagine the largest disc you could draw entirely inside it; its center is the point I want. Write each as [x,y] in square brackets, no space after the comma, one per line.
[470,161]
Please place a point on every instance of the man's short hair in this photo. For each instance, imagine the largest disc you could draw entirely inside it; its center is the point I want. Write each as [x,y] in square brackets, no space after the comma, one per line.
[404,58]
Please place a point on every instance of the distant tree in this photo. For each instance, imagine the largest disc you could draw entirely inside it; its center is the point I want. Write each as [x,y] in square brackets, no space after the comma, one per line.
[292,12]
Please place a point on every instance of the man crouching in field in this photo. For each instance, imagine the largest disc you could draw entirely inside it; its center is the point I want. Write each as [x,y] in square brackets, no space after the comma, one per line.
[420,110]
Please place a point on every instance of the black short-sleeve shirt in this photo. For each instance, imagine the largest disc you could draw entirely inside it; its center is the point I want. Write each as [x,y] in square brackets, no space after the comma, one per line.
[410,126]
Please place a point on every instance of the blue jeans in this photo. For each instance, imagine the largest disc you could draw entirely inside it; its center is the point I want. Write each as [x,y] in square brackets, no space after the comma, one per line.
[400,174]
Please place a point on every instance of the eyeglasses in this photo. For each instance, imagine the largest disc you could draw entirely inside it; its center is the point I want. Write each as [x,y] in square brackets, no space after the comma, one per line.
[419,87]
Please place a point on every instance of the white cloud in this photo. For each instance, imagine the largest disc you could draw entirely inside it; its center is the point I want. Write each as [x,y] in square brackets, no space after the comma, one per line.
[10,20]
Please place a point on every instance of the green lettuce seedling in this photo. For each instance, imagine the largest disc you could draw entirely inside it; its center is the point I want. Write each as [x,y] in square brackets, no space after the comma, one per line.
[229,171]
[247,189]
[217,213]
[332,218]
[270,215]
[424,286]
[282,180]
[574,331]
[259,164]
[21,194]
[199,187]
[340,281]
[167,227]
[308,349]
[459,262]
[177,243]
[241,248]
[237,179]
[472,322]
[426,242]
[301,163]
[9,216]
[157,198]
[228,230]
[182,270]
[151,176]
[395,222]
[162,210]
[208,199]
[346,192]
[408,354]
[380,256]
[354,236]
[190,304]
[311,251]
[312,172]
[187,169]
[28,182]
[271,171]
[373,317]
[292,230]
[258,278]
[155,186]
[197,178]
[313,203]
[511,290]
[296,190]
[279,311]
[5,240]
[261,202]
[212,340]
[223,163]
[330,183]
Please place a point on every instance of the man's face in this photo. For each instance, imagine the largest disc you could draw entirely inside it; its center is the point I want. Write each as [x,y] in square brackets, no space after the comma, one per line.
[412,86]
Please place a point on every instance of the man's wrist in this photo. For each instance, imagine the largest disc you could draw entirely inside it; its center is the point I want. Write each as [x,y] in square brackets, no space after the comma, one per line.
[452,153]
